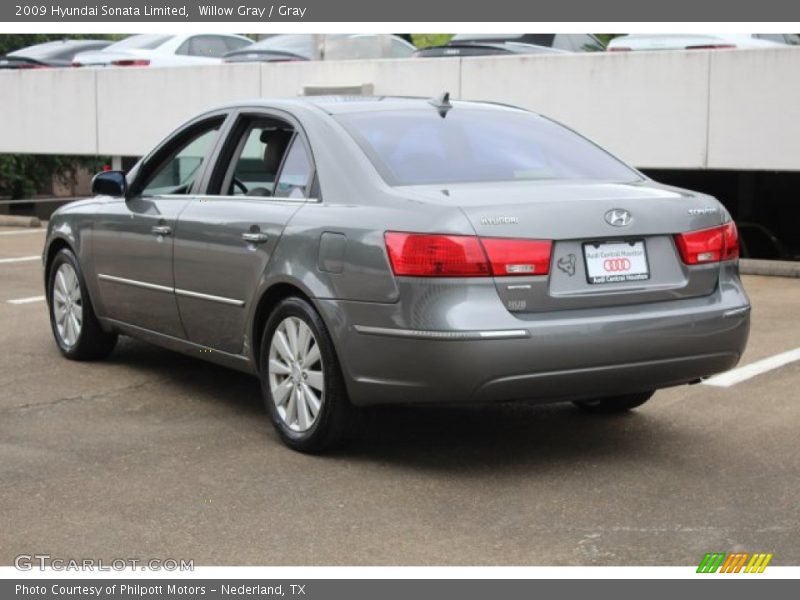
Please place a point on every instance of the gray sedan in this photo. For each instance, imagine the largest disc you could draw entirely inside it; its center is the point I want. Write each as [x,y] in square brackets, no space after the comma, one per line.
[361,251]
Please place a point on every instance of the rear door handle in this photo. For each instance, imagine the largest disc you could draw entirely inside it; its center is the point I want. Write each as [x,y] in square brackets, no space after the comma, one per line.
[161,230]
[255,238]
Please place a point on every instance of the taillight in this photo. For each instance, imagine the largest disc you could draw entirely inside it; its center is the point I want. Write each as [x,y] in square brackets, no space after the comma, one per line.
[422,255]
[619,49]
[709,245]
[731,235]
[518,257]
[435,255]
[131,62]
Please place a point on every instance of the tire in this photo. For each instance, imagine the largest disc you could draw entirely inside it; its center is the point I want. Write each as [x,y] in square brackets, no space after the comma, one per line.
[614,404]
[297,358]
[76,330]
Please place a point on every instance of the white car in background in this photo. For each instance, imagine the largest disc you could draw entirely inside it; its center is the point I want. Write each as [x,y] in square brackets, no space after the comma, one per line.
[700,41]
[163,50]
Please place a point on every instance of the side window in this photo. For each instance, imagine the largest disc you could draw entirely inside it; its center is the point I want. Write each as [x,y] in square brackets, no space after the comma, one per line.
[400,48]
[296,174]
[183,49]
[258,159]
[772,37]
[209,46]
[233,43]
[178,170]
[577,42]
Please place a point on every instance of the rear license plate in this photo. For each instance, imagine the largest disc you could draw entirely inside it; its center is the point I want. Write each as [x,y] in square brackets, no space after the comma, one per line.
[612,262]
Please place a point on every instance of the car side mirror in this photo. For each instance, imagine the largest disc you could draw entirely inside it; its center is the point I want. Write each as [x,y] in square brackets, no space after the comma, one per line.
[110,183]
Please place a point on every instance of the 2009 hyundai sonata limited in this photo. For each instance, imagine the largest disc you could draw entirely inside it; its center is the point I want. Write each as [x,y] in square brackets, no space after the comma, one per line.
[360,251]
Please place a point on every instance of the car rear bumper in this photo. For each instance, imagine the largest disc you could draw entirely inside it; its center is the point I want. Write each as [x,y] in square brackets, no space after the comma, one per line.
[479,352]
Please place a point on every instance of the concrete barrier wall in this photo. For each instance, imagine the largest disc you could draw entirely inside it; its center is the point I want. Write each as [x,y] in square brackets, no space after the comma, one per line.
[689,110]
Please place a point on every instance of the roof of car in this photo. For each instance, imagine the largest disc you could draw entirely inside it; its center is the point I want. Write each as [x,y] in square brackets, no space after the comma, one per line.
[348,104]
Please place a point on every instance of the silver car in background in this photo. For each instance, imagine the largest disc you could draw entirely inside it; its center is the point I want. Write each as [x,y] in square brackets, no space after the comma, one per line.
[360,251]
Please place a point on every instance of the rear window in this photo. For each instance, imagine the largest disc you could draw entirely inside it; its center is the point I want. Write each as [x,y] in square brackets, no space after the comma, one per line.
[144,41]
[417,147]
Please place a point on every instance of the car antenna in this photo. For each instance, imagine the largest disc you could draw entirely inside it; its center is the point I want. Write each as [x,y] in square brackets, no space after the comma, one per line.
[442,104]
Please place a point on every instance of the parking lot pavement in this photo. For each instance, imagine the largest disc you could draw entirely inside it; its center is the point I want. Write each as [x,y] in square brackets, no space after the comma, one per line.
[154,454]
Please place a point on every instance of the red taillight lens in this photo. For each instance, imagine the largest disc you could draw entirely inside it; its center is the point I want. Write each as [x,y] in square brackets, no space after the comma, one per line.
[131,62]
[434,255]
[518,257]
[423,255]
[709,245]
[619,49]
[731,235]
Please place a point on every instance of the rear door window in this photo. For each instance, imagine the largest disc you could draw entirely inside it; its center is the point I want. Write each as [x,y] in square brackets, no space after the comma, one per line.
[295,176]
[210,46]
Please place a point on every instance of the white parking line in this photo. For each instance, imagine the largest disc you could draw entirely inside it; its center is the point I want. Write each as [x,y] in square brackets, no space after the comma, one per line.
[26,300]
[23,231]
[19,259]
[744,373]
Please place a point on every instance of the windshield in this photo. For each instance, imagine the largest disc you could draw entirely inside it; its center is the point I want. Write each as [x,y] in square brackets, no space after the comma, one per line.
[416,147]
[145,41]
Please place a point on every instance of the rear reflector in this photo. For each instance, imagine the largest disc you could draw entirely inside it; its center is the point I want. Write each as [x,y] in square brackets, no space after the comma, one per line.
[518,257]
[131,62]
[434,255]
[709,245]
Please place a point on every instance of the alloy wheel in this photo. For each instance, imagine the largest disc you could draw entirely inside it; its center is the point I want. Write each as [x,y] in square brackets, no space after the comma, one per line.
[296,377]
[67,304]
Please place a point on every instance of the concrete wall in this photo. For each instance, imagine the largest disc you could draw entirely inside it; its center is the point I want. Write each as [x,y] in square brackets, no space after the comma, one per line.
[686,110]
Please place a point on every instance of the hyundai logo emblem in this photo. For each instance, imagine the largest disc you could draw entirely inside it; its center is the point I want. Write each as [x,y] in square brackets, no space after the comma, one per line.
[619,217]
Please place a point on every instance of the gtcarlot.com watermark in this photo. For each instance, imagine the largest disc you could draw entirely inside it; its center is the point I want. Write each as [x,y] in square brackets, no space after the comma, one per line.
[42,562]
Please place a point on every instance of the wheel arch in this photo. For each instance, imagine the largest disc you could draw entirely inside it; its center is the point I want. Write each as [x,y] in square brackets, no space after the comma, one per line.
[271,297]
[55,245]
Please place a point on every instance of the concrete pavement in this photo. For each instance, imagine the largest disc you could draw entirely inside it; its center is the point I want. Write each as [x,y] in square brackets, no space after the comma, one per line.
[154,454]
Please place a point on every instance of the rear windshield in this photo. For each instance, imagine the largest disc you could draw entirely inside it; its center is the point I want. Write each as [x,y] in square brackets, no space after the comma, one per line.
[144,41]
[417,147]
[48,50]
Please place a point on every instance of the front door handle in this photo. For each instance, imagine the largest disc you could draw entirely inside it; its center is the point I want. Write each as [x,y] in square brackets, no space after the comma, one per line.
[161,230]
[255,238]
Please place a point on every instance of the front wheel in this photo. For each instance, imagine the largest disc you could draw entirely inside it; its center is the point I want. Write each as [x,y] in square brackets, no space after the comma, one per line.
[75,327]
[301,381]
[614,404]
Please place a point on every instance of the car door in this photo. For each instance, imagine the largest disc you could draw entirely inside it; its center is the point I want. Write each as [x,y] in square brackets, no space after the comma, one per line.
[133,237]
[225,238]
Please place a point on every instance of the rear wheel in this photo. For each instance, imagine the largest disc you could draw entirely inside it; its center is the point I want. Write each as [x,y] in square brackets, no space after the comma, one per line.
[614,404]
[75,327]
[301,381]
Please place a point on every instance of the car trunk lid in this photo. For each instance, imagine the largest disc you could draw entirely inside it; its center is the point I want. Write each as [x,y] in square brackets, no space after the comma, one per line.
[612,243]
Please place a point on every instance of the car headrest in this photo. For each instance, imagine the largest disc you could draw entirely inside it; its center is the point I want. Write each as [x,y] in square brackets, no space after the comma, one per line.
[276,141]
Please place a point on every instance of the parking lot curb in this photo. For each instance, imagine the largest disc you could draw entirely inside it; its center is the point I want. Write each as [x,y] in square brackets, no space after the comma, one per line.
[774,268]
[15,221]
